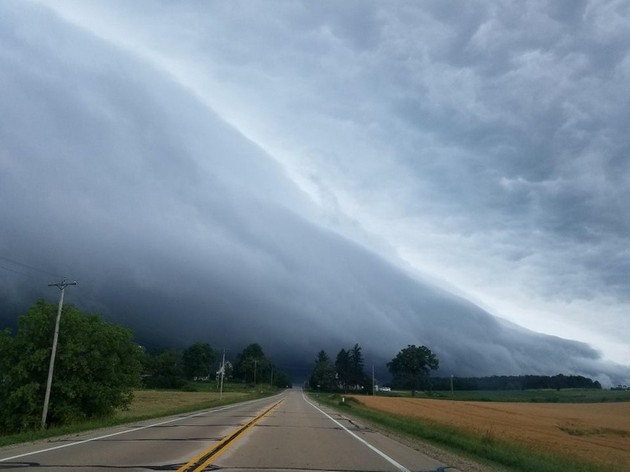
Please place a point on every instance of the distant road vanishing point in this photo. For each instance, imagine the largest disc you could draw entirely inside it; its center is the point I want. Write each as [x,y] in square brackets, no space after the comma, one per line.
[286,432]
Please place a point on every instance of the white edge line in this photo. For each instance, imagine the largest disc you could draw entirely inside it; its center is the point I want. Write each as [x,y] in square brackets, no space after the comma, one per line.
[400,467]
[227,407]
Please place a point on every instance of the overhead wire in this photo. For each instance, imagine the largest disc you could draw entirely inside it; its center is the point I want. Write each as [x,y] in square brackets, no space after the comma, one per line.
[23,265]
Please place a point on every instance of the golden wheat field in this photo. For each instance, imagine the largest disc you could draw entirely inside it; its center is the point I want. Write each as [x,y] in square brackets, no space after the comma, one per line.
[598,432]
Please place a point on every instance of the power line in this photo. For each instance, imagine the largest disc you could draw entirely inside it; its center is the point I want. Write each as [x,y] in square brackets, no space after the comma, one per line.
[25,266]
[8,269]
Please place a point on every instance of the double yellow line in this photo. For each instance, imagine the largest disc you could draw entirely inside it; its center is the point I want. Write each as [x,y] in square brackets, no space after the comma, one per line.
[204,459]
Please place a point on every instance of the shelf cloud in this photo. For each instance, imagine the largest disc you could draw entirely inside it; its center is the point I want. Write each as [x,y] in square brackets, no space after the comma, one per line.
[313,176]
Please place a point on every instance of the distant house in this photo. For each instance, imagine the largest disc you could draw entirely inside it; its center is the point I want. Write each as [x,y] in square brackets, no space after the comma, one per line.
[228,370]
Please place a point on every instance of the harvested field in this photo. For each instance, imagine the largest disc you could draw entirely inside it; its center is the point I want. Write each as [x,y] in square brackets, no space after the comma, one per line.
[162,402]
[598,432]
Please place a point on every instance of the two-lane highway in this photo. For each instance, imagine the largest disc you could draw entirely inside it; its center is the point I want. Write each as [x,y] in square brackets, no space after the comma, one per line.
[300,435]
[286,433]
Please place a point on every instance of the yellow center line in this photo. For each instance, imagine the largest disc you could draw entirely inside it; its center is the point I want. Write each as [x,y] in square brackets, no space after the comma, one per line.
[201,461]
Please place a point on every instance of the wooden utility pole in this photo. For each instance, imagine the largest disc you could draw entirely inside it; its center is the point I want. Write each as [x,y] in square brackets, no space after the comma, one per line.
[61,286]
[222,375]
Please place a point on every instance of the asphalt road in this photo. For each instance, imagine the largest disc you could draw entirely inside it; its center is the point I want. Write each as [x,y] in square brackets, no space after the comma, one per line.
[286,432]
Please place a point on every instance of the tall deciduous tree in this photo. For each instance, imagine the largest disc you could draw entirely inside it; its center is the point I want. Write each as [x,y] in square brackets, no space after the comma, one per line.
[282,380]
[198,359]
[96,368]
[252,365]
[165,369]
[411,367]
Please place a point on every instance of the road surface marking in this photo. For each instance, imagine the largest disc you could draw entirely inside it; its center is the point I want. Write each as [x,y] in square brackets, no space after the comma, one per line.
[204,459]
[400,467]
[179,418]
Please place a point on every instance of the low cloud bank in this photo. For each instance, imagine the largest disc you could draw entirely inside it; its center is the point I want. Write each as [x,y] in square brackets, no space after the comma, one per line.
[177,226]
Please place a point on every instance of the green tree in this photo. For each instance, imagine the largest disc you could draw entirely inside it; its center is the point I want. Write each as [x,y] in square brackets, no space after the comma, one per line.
[342,366]
[323,375]
[282,380]
[165,369]
[198,359]
[96,368]
[252,365]
[356,374]
[411,367]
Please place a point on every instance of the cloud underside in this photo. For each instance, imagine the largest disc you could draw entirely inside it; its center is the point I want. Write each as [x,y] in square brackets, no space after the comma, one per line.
[174,223]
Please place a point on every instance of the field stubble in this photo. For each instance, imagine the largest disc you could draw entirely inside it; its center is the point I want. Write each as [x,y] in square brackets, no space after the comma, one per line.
[596,432]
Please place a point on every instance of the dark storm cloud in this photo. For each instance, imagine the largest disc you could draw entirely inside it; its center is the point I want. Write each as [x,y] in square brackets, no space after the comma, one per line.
[116,171]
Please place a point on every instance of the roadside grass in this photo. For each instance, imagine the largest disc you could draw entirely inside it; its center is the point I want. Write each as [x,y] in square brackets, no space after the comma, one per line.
[486,448]
[576,395]
[148,404]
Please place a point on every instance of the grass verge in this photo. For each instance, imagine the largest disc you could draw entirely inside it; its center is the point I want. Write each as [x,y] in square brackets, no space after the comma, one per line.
[148,404]
[484,448]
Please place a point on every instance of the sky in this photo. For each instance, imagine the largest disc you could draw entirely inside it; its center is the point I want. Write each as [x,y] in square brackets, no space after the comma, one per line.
[313,175]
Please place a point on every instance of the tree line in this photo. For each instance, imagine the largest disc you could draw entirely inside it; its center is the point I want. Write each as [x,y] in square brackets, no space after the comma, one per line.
[410,369]
[346,372]
[98,366]
[515,382]
[175,369]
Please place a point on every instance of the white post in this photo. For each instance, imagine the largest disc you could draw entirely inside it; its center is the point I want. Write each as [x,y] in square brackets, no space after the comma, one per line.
[373,386]
[222,375]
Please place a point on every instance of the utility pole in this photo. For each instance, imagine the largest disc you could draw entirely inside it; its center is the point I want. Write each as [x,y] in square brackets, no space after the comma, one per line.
[61,286]
[373,385]
[255,366]
[222,375]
